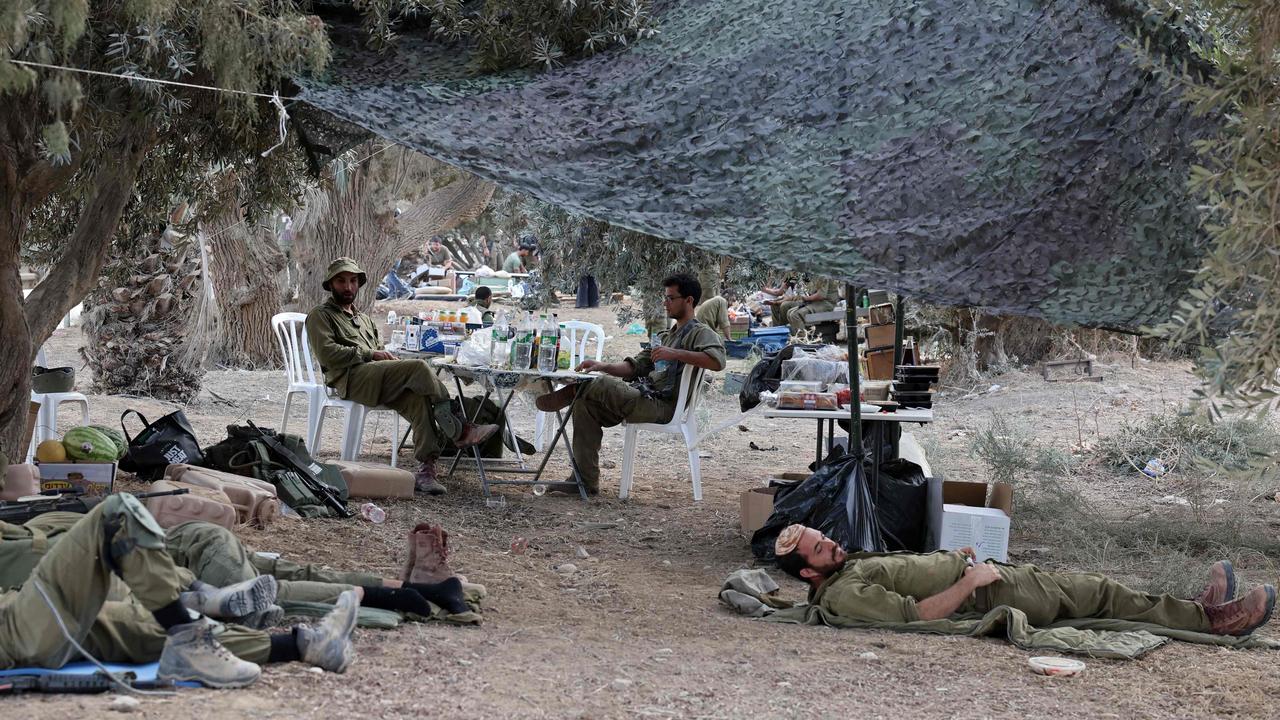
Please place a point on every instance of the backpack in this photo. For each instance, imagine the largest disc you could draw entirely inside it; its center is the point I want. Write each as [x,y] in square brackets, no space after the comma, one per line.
[244,453]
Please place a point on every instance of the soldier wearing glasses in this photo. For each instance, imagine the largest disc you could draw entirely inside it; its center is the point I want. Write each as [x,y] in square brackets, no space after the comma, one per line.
[640,389]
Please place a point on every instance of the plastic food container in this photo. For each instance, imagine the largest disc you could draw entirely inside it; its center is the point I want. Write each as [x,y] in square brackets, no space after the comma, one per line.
[809,386]
[1055,666]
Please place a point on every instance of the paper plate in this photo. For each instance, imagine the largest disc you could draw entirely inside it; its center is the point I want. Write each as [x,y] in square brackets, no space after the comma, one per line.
[1056,666]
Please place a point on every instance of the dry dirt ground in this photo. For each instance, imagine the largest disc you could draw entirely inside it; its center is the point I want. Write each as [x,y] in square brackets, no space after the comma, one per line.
[637,630]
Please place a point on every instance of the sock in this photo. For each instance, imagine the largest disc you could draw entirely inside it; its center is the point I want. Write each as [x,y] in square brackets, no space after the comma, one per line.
[284,648]
[447,594]
[401,599]
[172,615]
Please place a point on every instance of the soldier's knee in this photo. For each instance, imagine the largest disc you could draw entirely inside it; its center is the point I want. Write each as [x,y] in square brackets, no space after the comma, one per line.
[128,525]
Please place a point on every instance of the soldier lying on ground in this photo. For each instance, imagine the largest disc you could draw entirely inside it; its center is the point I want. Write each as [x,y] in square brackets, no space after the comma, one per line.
[349,347]
[905,587]
[209,555]
[49,605]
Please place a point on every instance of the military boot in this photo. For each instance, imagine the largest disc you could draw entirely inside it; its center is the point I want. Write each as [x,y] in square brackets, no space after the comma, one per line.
[1222,585]
[272,616]
[558,399]
[429,553]
[233,601]
[473,434]
[426,481]
[328,645]
[191,652]
[1243,616]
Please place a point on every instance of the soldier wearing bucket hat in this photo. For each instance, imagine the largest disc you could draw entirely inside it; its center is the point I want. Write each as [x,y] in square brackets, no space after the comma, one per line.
[349,348]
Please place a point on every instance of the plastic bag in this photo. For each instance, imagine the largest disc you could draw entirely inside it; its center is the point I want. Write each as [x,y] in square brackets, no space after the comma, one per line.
[901,498]
[834,500]
[806,365]
[475,351]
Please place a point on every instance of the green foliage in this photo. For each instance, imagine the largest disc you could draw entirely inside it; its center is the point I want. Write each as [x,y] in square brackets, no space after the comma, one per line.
[1182,441]
[1012,455]
[1233,309]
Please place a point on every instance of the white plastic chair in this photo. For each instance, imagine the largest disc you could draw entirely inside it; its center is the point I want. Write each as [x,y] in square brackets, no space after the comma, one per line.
[300,368]
[577,353]
[47,418]
[684,421]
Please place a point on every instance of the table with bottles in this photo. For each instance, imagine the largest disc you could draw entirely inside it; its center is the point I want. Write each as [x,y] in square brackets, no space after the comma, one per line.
[522,355]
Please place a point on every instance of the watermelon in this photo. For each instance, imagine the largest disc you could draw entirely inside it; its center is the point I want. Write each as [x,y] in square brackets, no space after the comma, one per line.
[88,445]
[116,437]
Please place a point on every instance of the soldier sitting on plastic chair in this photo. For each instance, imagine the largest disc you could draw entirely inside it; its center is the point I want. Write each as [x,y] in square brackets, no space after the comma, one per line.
[349,347]
[640,391]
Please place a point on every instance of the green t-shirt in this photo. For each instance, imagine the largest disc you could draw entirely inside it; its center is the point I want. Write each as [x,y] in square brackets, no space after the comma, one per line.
[514,263]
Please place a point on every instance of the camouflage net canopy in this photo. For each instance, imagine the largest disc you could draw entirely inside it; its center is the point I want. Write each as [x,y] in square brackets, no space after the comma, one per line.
[1010,154]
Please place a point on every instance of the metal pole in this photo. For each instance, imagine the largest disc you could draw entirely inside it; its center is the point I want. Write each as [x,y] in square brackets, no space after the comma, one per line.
[855,394]
[897,335]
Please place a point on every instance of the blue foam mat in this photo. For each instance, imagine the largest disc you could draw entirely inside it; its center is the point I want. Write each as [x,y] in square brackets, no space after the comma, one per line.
[145,672]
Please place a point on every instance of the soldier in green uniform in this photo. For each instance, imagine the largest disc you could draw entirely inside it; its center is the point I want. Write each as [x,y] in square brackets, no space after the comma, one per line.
[51,585]
[484,300]
[637,390]
[820,297]
[906,587]
[349,348]
[515,262]
[714,313]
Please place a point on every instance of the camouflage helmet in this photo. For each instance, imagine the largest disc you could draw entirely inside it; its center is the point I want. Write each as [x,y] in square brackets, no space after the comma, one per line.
[341,265]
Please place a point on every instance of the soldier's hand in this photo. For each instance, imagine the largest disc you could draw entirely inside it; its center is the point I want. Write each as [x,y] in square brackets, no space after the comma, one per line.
[968,552]
[982,574]
[383,355]
[589,365]
[662,352]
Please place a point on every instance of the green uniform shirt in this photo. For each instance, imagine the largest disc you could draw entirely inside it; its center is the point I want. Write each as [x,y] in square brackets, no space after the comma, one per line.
[436,258]
[699,338]
[714,313]
[340,341]
[830,292]
[886,588]
[514,263]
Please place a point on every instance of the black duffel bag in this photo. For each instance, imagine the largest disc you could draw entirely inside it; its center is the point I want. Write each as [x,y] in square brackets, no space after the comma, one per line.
[167,441]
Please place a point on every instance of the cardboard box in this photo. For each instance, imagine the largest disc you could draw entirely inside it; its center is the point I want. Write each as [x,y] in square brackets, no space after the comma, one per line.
[880,364]
[880,336]
[757,503]
[972,514]
[93,478]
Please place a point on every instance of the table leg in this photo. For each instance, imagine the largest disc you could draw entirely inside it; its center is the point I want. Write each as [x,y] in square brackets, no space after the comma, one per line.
[817,447]
[562,422]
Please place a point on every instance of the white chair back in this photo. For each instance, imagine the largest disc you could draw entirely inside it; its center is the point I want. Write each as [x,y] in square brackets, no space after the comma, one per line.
[291,334]
[580,336]
[689,395]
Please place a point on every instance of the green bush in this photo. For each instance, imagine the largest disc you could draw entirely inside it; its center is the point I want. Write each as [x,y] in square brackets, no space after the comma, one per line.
[1181,440]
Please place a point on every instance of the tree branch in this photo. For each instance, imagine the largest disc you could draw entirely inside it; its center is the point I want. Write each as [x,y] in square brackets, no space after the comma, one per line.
[80,262]
[460,201]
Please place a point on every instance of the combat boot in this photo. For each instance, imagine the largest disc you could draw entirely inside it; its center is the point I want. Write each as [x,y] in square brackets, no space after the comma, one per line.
[429,551]
[232,601]
[328,645]
[191,652]
[473,434]
[1222,585]
[426,481]
[262,619]
[1243,616]
[558,399]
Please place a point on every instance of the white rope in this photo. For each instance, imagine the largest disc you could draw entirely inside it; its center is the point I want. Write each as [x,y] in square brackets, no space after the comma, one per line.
[282,117]
[143,78]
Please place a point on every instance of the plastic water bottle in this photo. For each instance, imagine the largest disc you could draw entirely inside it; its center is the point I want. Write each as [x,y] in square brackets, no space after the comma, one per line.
[500,350]
[564,354]
[655,342]
[547,346]
[373,513]
[522,352]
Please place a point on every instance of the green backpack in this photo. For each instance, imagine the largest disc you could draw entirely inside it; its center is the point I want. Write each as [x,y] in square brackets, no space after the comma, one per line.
[245,453]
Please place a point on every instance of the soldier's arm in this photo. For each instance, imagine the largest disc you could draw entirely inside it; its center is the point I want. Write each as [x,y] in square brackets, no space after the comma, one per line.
[936,607]
[330,353]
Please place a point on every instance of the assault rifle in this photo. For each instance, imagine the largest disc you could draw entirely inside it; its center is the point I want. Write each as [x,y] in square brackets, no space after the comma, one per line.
[309,473]
[71,683]
[16,513]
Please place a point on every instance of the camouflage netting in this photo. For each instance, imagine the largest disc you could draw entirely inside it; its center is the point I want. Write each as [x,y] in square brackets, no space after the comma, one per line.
[1011,154]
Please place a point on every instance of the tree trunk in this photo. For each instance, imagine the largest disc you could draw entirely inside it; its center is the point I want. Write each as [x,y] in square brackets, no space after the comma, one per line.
[26,324]
[342,219]
[245,266]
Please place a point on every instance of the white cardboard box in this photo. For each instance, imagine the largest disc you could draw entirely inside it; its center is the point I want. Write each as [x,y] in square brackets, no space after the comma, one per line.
[970,514]
[986,530]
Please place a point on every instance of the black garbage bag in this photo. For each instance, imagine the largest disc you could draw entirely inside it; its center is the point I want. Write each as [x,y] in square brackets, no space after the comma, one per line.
[834,500]
[901,499]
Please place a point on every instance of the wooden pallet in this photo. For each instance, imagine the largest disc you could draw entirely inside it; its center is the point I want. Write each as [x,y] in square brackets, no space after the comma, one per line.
[1062,370]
